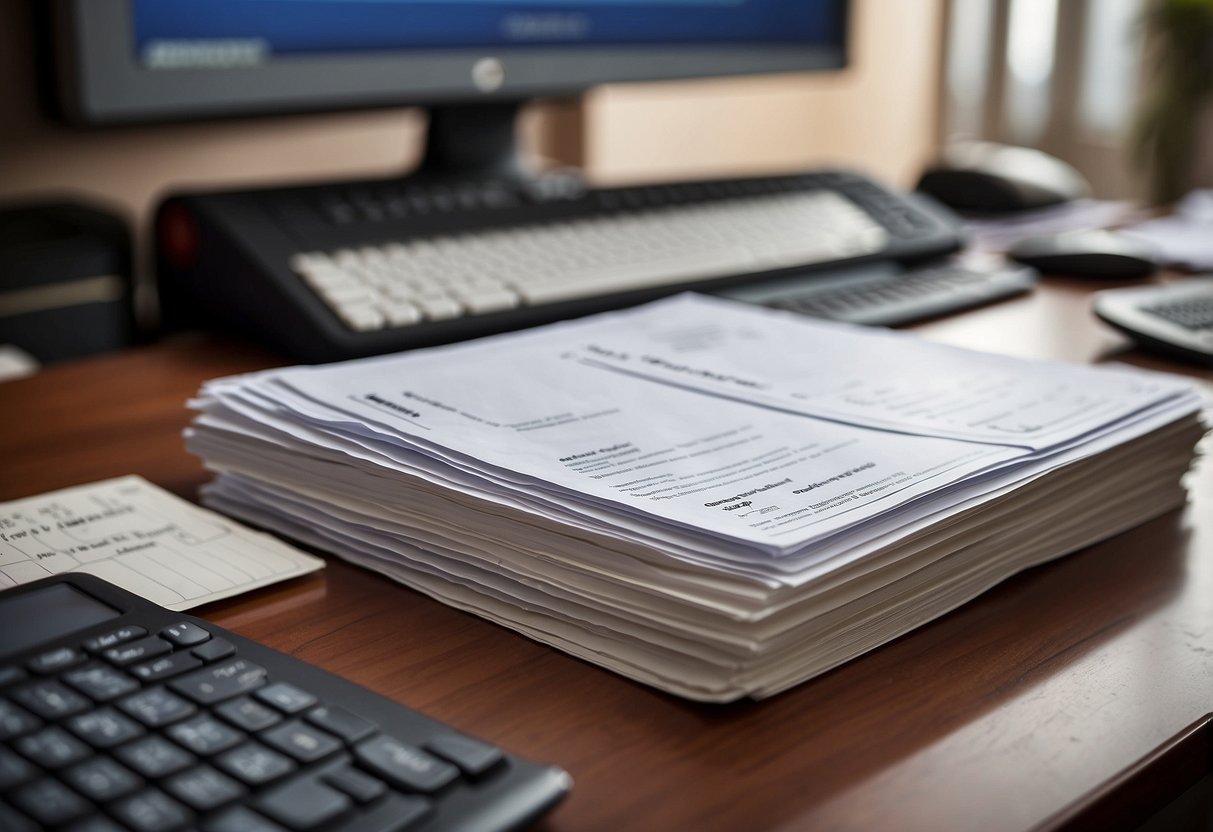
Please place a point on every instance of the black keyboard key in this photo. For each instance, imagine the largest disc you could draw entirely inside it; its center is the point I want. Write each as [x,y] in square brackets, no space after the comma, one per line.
[137,651]
[239,819]
[11,675]
[473,757]
[396,207]
[248,714]
[13,821]
[102,779]
[303,742]
[95,823]
[165,667]
[151,811]
[221,681]
[155,757]
[185,634]
[202,788]
[404,765]
[51,700]
[396,814]
[49,802]
[53,748]
[254,764]
[286,698]
[214,650]
[104,728]
[13,770]
[113,638]
[357,784]
[204,735]
[350,727]
[101,682]
[303,804]
[156,707]
[53,661]
[15,721]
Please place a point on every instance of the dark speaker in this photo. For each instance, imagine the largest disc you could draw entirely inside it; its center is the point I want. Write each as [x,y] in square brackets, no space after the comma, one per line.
[65,280]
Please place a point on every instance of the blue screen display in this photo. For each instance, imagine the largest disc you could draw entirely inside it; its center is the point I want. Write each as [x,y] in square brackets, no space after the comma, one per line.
[282,27]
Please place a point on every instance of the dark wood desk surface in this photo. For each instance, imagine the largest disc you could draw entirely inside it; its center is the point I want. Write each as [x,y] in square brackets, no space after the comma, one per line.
[995,717]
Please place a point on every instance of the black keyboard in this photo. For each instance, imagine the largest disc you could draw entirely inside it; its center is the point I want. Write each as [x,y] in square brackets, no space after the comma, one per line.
[336,271]
[116,714]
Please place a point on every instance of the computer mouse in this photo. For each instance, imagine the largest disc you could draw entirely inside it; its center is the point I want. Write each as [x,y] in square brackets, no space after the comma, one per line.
[1096,254]
[991,178]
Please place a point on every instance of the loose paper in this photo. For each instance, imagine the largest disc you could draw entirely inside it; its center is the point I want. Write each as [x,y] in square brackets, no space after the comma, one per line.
[143,539]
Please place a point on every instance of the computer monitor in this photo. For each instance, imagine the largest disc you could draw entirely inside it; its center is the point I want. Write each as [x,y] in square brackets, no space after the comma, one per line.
[472,62]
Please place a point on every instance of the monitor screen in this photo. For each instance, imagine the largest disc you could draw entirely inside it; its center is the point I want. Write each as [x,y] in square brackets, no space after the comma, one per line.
[149,60]
[270,28]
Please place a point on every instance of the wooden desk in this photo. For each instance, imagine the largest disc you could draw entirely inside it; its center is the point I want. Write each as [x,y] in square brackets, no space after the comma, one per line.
[997,716]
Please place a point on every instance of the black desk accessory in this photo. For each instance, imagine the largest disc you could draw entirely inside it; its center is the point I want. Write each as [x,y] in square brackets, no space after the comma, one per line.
[117,712]
[989,178]
[1100,255]
[65,280]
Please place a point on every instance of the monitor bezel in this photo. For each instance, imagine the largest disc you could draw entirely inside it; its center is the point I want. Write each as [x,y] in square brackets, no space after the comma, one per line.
[100,80]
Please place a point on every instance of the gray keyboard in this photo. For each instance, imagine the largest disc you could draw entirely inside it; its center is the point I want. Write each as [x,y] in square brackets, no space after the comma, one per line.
[887,294]
[1175,318]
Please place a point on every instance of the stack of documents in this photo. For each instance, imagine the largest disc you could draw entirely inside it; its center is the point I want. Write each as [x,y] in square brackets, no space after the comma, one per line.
[715,499]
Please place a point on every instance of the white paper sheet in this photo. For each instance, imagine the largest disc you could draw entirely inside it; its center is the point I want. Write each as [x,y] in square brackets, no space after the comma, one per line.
[1184,238]
[143,539]
[862,376]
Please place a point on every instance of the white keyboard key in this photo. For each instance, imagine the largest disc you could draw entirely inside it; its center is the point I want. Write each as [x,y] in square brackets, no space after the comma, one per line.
[483,285]
[321,279]
[439,308]
[817,250]
[701,265]
[491,301]
[348,295]
[401,314]
[346,257]
[362,317]
[399,292]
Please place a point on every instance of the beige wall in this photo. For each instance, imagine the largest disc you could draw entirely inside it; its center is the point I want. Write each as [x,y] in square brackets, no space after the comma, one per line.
[878,115]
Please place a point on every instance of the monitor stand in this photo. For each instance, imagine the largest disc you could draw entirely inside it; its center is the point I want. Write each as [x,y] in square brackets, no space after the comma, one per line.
[473,140]
[479,141]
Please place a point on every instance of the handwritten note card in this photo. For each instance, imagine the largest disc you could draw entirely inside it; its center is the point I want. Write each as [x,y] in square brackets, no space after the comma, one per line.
[141,538]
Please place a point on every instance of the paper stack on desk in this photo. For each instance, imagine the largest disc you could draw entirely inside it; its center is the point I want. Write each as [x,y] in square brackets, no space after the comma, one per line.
[718,500]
